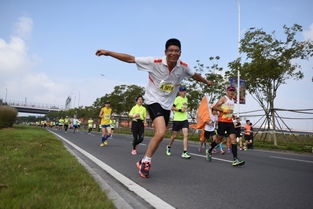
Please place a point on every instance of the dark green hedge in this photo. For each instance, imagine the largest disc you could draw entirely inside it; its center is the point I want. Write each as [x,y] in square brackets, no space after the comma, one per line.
[7,116]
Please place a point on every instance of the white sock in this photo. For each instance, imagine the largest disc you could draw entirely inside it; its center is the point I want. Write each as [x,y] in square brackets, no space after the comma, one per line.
[146,159]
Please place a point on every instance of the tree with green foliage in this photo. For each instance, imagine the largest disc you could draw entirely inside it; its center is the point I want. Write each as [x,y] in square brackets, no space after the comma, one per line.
[269,64]
[122,98]
[197,90]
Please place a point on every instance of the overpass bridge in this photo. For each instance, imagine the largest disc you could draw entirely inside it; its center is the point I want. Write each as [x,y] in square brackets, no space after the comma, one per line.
[37,108]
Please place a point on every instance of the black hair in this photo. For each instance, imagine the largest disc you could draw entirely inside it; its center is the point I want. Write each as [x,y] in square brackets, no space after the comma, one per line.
[139,97]
[172,41]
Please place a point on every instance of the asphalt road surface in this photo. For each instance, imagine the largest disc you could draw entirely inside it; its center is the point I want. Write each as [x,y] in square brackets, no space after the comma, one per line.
[268,179]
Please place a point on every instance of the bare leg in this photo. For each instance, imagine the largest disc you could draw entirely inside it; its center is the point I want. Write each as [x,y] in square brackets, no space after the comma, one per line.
[185,133]
[160,130]
[173,137]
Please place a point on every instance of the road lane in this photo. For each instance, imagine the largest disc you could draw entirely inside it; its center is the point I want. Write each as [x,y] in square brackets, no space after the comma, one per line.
[264,182]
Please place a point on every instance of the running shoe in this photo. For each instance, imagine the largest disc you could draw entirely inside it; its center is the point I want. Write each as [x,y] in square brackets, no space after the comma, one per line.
[208,155]
[245,148]
[222,152]
[168,151]
[143,168]
[134,152]
[228,150]
[101,145]
[186,155]
[238,162]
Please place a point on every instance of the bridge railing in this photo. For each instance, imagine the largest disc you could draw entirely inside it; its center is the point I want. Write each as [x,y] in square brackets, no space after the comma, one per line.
[26,104]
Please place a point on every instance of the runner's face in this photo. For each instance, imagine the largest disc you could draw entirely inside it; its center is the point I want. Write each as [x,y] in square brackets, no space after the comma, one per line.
[139,101]
[231,94]
[182,93]
[172,53]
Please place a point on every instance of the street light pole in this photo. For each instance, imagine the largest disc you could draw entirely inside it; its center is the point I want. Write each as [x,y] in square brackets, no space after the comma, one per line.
[238,55]
[6,95]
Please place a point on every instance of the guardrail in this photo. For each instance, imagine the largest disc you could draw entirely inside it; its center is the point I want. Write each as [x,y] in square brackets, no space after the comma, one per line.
[35,105]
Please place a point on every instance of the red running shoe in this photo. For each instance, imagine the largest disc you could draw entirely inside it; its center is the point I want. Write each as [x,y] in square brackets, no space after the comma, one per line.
[144,168]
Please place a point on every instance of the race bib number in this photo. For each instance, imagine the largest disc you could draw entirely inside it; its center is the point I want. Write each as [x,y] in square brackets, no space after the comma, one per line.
[106,116]
[167,87]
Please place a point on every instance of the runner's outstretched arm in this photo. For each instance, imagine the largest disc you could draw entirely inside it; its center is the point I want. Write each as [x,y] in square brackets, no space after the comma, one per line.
[119,56]
[198,77]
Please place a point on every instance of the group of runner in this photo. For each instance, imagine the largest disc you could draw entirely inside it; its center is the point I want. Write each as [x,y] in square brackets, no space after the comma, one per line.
[66,123]
[165,76]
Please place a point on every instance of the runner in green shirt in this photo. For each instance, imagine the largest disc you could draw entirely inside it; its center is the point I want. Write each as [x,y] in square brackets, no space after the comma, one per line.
[138,115]
[180,122]
[90,125]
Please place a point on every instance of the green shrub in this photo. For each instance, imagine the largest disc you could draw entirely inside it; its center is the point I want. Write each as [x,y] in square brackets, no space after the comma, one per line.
[7,116]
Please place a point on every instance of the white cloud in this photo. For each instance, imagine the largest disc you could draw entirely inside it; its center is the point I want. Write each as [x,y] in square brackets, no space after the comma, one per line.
[19,80]
[13,56]
[308,35]
[16,68]
[23,27]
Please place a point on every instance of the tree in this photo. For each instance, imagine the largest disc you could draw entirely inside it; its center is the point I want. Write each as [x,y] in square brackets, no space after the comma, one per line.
[196,90]
[270,63]
[122,98]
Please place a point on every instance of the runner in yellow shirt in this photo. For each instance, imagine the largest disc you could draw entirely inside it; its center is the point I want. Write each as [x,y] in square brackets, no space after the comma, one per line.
[105,115]
[61,123]
[138,115]
[180,122]
[66,123]
[90,125]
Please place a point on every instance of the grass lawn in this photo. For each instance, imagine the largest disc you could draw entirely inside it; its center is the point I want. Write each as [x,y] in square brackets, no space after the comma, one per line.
[36,171]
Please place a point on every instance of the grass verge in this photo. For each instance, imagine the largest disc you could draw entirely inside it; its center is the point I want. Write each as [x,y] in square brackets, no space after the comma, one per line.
[300,143]
[36,171]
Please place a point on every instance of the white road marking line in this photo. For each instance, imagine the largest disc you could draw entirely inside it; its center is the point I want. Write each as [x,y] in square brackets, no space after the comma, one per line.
[292,159]
[214,158]
[152,199]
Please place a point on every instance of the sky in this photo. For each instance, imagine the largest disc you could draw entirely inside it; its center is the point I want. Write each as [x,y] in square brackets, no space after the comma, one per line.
[47,48]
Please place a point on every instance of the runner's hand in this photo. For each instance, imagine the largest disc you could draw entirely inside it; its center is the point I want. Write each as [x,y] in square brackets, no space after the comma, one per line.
[102,52]
[210,83]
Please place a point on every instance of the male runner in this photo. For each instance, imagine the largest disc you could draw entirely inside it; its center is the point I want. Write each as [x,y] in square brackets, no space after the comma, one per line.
[66,123]
[75,124]
[248,134]
[90,125]
[165,76]
[180,122]
[112,125]
[237,126]
[61,123]
[225,106]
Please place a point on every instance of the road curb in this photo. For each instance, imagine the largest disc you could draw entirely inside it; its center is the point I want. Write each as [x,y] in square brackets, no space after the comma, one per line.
[118,201]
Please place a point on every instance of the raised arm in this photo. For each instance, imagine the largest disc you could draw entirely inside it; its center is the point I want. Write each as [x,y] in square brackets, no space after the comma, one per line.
[198,77]
[119,56]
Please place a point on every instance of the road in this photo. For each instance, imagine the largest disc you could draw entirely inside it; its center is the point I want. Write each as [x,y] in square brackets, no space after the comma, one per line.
[267,180]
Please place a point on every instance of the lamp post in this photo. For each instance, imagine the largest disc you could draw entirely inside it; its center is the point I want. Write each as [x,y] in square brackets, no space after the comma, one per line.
[6,95]
[238,54]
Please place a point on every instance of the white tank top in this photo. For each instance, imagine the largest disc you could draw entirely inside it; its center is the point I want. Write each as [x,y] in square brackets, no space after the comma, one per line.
[228,105]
